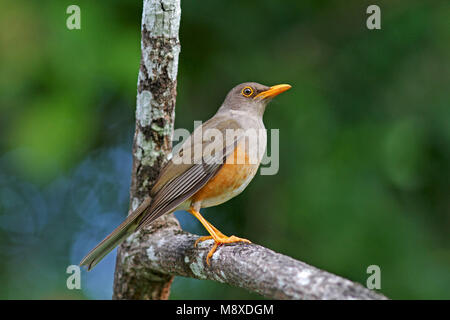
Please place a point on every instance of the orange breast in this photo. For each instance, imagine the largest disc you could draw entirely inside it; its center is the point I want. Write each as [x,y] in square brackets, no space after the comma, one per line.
[236,171]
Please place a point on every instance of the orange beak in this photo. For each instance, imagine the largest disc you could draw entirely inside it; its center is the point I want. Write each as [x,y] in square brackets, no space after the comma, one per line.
[273,91]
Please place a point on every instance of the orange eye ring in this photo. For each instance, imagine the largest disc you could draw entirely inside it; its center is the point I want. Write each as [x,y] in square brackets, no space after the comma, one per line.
[247,92]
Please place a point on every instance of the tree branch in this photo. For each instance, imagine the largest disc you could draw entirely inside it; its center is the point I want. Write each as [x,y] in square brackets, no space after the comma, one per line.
[155,116]
[170,251]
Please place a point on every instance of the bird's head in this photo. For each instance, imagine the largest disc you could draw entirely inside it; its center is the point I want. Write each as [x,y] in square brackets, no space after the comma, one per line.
[251,97]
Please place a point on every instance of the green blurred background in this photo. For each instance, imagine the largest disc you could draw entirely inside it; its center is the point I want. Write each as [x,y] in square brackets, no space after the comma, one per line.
[365,137]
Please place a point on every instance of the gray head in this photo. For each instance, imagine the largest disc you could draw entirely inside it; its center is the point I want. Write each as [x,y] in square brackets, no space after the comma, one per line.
[251,97]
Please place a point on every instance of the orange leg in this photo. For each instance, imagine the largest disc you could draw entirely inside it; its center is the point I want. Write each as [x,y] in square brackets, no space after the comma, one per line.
[218,237]
[217,232]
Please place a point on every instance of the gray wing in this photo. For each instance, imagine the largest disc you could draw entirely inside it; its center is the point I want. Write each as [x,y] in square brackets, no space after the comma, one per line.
[183,186]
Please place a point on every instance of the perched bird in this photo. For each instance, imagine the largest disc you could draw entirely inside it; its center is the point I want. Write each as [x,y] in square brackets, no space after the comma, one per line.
[215,164]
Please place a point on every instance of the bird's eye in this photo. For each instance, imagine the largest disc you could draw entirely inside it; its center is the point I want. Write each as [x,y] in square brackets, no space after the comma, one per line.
[247,92]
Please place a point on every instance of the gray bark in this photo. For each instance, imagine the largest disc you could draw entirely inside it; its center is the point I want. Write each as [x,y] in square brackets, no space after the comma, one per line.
[155,115]
[170,251]
[148,260]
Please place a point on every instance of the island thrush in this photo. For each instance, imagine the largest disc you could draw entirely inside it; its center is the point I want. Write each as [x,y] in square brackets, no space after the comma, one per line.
[213,165]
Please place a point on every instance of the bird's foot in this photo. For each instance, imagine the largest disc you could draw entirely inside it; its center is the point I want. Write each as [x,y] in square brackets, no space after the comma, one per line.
[218,241]
[202,239]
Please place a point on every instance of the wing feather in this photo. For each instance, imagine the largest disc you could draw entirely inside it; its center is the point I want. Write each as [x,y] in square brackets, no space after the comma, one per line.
[192,177]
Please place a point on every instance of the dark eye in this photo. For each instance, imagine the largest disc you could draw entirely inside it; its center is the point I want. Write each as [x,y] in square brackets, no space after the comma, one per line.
[247,92]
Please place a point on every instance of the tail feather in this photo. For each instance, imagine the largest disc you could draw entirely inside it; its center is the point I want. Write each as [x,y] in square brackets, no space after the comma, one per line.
[125,229]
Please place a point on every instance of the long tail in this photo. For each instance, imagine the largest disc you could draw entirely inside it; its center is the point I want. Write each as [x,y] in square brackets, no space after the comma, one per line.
[116,237]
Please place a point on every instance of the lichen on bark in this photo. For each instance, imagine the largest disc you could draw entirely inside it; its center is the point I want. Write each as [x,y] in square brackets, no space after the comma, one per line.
[152,144]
